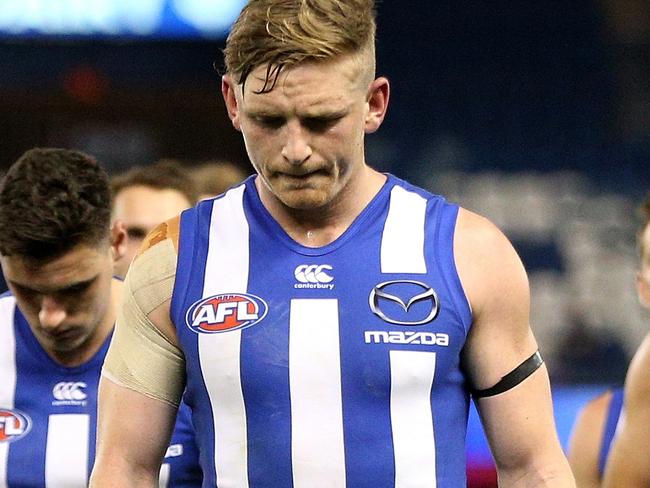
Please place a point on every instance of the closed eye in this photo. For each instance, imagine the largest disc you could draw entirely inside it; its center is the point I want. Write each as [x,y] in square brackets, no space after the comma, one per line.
[269,121]
[320,124]
[137,233]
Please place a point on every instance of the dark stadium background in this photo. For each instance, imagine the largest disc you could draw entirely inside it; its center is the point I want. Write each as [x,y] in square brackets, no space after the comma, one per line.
[545,103]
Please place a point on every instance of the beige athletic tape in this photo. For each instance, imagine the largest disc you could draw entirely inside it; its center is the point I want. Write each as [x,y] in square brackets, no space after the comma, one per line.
[140,356]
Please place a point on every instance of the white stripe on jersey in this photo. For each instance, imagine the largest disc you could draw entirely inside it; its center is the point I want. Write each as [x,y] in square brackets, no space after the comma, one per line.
[163,479]
[226,272]
[66,453]
[7,372]
[402,243]
[318,454]
[411,374]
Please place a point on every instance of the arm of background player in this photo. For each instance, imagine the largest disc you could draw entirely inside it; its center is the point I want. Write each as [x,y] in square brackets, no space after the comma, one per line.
[586,440]
[629,460]
[143,374]
[519,423]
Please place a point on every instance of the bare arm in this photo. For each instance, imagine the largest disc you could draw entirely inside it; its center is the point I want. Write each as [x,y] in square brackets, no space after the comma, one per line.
[143,374]
[133,432]
[586,440]
[629,460]
[519,423]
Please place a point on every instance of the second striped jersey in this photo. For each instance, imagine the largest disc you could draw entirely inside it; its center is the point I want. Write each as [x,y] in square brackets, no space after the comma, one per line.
[48,416]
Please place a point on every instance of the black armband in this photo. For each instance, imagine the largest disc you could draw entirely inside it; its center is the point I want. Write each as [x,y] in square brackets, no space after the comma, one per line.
[512,379]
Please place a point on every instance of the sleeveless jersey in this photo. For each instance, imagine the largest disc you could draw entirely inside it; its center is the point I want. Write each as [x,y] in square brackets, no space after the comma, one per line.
[331,367]
[48,416]
[611,422]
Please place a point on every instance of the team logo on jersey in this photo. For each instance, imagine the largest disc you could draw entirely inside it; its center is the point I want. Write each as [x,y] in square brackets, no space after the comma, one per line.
[13,425]
[404,302]
[69,393]
[314,276]
[225,312]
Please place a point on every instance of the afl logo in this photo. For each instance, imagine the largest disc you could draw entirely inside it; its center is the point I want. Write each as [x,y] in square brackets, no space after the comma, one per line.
[13,425]
[226,312]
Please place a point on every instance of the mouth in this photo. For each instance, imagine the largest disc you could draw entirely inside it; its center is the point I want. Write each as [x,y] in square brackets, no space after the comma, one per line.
[62,336]
[303,176]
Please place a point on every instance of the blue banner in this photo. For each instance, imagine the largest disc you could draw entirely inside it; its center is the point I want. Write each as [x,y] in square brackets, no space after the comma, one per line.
[145,19]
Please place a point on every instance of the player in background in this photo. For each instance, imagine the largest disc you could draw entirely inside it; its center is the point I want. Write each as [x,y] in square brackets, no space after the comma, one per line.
[328,321]
[592,436]
[596,424]
[628,464]
[57,250]
[145,196]
[212,178]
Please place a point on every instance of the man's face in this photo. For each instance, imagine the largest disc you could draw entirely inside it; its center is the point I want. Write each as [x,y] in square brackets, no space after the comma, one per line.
[64,300]
[141,209]
[305,137]
[643,276]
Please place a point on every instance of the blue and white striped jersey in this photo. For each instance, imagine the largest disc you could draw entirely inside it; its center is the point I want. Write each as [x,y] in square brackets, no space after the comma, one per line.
[48,415]
[328,367]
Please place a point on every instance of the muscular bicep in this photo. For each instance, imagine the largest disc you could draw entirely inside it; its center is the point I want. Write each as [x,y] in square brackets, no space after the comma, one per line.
[496,285]
[133,432]
[144,354]
[519,421]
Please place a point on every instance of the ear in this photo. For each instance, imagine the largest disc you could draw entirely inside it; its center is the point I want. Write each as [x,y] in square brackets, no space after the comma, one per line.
[643,289]
[119,240]
[228,90]
[378,95]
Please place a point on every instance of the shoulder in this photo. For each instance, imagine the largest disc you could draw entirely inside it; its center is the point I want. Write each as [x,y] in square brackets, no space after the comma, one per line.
[586,440]
[480,236]
[593,414]
[168,231]
[150,278]
[488,265]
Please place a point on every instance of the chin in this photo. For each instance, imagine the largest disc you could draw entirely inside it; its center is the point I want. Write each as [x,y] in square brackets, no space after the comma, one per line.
[303,200]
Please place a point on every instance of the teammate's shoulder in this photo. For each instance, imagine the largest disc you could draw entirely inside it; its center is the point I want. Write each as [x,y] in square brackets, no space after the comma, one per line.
[595,410]
[167,231]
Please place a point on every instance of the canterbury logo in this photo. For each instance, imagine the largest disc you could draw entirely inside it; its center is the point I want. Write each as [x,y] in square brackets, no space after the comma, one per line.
[313,273]
[69,391]
[314,276]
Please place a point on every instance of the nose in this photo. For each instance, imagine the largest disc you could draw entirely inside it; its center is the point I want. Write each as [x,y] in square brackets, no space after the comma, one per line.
[52,313]
[296,149]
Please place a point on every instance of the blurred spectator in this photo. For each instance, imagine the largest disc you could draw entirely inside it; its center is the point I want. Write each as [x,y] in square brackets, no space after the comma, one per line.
[589,355]
[214,177]
[145,196]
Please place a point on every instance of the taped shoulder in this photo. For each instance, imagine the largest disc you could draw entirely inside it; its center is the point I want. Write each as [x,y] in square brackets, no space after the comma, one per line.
[168,230]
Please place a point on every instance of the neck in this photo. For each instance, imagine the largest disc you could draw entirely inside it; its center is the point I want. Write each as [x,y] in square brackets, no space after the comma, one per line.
[322,226]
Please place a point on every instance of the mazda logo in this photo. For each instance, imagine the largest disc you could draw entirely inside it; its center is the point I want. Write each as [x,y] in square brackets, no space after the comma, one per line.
[379,293]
